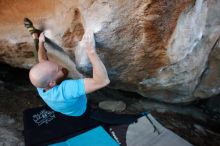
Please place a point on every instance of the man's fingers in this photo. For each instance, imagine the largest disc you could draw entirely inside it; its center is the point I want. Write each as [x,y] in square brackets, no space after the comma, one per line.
[88,39]
[42,37]
[89,36]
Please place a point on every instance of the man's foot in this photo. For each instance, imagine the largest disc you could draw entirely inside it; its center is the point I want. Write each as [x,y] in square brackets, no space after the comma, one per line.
[29,25]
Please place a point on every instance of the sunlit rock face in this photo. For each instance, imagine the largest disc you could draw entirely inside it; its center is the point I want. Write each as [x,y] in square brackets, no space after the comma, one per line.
[159,49]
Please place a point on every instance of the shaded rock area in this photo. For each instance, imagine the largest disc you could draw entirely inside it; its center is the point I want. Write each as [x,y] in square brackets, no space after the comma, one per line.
[16,94]
[210,78]
[198,123]
[10,131]
[159,49]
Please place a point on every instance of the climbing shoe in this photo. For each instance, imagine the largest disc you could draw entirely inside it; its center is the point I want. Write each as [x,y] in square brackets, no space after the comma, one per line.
[29,25]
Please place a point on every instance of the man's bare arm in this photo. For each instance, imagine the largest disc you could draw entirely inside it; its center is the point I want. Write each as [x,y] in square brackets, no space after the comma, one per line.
[42,54]
[100,77]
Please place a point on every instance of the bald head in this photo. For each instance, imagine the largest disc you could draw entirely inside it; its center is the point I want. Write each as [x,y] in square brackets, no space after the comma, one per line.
[47,74]
[42,73]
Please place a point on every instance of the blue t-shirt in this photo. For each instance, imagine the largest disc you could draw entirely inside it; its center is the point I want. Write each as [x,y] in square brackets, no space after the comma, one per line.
[68,98]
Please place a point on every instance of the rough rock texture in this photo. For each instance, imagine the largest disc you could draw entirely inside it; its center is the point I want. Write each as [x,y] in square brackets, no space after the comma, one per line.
[159,49]
[10,132]
[210,81]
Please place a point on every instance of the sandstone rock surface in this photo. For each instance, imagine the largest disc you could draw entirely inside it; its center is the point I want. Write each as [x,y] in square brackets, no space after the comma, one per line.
[160,49]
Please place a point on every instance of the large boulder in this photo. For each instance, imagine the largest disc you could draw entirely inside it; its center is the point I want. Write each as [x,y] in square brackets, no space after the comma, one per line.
[159,49]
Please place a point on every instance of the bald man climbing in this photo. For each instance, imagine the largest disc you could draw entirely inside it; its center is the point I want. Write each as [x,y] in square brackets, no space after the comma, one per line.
[65,96]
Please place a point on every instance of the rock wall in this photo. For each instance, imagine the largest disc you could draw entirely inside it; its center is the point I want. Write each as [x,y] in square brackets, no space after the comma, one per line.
[159,49]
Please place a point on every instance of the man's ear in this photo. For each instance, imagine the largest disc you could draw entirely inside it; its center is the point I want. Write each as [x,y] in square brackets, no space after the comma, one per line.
[52,84]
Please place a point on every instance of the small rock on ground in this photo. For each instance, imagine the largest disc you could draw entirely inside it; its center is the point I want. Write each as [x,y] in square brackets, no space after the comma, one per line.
[112,106]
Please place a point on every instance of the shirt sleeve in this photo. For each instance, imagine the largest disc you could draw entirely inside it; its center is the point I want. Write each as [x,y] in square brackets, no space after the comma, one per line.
[73,88]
